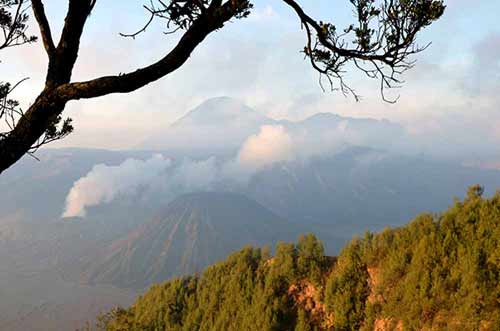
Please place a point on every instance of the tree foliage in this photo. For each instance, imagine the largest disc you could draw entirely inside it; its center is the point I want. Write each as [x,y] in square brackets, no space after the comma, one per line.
[441,271]
[347,289]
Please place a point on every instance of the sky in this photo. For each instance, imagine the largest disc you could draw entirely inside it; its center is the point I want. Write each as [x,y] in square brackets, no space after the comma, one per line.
[450,96]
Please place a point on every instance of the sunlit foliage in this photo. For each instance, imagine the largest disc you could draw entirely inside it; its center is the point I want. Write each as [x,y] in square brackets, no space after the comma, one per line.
[440,272]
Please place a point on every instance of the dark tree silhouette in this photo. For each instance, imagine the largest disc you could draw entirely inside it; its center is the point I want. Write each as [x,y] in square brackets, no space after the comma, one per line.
[380,43]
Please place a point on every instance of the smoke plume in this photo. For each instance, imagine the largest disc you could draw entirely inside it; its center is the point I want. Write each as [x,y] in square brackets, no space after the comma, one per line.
[103,183]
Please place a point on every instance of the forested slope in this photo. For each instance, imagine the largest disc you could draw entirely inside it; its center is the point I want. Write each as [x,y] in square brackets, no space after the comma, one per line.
[440,272]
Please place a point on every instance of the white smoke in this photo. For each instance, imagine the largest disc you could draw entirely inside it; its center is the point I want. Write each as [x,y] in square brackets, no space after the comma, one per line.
[156,175]
[103,183]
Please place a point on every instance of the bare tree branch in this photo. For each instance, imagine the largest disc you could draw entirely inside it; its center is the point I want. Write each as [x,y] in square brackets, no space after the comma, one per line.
[43,23]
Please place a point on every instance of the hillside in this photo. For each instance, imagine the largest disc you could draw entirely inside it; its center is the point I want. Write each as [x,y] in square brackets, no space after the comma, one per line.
[193,231]
[440,272]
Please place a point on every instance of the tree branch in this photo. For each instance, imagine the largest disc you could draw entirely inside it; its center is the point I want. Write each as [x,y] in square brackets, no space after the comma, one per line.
[43,23]
[384,37]
[129,82]
[66,53]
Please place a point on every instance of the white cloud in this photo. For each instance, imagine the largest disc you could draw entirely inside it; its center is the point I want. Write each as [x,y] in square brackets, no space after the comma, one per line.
[272,144]
[265,13]
[191,176]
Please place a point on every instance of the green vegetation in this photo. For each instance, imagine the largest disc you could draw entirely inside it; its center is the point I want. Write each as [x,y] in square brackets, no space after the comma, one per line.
[441,272]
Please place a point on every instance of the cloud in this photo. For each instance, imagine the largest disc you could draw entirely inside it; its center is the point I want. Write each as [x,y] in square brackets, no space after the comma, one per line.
[187,176]
[272,144]
[482,79]
[463,122]
[261,14]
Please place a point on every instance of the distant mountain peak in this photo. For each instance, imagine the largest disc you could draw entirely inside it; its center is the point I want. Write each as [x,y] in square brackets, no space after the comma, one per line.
[221,100]
[221,111]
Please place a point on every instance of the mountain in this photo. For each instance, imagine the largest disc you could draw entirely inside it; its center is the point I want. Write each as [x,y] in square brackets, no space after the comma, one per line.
[216,126]
[367,132]
[220,125]
[193,231]
[361,189]
[440,272]
[221,111]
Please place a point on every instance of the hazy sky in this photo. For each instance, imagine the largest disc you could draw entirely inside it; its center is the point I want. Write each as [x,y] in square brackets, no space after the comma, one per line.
[451,95]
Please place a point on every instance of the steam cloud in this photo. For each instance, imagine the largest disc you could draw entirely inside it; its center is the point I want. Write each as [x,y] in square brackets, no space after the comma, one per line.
[103,183]
[273,143]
